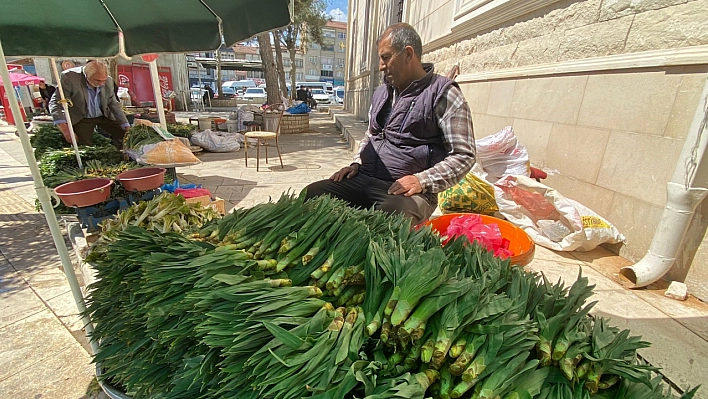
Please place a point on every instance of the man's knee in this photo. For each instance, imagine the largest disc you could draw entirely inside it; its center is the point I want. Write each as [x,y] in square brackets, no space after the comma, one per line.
[416,208]
[317,188]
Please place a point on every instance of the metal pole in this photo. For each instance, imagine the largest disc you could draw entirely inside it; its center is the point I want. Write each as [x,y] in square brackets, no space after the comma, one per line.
[155,76]
[64,104]
[43,195]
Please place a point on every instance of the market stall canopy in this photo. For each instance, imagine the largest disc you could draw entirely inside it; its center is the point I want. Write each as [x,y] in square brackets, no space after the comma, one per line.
[91,28]
[20,79]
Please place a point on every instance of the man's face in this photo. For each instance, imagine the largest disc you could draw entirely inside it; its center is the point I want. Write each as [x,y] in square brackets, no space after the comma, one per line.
[98,79]
[392,63]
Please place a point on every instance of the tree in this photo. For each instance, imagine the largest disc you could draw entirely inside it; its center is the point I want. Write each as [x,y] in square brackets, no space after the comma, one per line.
[218,73]
[279,63]
[271,74]
[308,20]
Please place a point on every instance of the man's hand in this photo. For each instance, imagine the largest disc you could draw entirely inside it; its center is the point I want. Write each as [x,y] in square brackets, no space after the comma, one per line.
[346,172]
[406,185]
[64,127]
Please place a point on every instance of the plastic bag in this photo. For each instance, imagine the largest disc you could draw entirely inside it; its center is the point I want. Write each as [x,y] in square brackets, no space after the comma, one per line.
[501,154]
[193,192]
[487,235]
[472,195]
[168,154]
[216,141]
[552,220]
[301,108]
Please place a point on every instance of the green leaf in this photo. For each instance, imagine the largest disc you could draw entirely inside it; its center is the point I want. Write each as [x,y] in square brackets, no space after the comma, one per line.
[285,336]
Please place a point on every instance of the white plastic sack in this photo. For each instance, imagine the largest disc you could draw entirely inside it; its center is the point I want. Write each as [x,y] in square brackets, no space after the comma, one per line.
[501,154]
[216,141]
[552,220]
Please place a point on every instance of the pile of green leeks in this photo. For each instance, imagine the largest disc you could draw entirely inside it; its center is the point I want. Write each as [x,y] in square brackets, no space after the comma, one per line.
[295,299]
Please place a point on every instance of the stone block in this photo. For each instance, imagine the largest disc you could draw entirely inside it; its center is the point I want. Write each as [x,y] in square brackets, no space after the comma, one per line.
[638,165]
[671,27]
[596,40]
[485,125]
[477,95]
[611,9]
[576,151]
[551,99]
[636,102]
[496,58]
[571,14]
[687,99]
[677,291]
[537,50]
[501,95]
[636,219]
[534,136]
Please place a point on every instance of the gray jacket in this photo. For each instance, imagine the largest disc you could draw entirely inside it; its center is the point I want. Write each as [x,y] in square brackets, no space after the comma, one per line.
[75,88]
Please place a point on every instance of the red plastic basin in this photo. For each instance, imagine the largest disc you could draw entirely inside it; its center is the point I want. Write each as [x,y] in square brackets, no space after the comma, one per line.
[520,244]
[84,192]
[142,179]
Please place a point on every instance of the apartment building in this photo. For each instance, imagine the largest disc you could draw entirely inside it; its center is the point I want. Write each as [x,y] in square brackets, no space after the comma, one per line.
[326,63]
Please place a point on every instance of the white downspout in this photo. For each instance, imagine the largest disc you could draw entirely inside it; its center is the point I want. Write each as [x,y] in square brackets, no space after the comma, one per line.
[682,201]
[43,195]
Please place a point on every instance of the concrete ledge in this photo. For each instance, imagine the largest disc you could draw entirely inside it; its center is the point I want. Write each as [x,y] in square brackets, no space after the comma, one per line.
[353,129]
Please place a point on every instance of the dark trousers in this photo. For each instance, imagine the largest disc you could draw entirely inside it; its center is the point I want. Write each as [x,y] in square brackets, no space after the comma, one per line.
[365,191]
[85,127]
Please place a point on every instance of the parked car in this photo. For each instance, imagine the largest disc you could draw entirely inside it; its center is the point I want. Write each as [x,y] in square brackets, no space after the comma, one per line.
[228,92]
[320,96]
[255,94]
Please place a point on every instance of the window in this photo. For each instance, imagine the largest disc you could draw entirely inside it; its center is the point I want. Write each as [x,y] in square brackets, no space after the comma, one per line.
[298,62]
[340,62]
[326,67]
[313,60]
[298,76]
[286,62]
[328,33]
[327,60]
[326,73]
[314,46]
[341,35]
[312,72]
[339,74]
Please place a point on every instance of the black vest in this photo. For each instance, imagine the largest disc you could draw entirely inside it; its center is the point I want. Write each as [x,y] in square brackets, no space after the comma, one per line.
[405,138]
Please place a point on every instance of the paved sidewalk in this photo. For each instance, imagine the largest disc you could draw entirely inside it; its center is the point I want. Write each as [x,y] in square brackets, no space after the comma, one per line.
[42,347]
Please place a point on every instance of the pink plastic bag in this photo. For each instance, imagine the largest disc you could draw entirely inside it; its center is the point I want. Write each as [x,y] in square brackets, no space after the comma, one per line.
[487,235]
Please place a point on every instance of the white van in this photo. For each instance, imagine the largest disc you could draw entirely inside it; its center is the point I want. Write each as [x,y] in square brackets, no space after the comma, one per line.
[312,85]
[233,86]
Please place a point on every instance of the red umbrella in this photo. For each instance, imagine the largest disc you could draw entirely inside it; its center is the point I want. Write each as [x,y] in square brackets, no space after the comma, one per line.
[20,79]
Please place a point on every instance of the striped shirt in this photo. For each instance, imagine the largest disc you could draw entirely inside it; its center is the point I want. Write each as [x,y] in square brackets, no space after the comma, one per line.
[455,121]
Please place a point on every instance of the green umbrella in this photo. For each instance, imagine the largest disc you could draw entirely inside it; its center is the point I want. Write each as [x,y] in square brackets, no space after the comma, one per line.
[91,28]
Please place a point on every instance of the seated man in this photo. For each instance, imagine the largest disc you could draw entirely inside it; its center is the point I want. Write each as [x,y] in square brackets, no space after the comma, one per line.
[94,104]
[420,139]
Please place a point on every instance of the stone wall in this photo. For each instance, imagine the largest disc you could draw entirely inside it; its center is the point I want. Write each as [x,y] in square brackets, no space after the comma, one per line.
[573,30]
[298,123]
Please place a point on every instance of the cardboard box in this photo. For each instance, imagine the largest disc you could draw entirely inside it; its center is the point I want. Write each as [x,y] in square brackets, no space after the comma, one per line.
[218,204]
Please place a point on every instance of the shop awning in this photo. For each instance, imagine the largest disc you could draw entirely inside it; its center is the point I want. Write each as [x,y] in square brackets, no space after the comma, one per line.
[91,28]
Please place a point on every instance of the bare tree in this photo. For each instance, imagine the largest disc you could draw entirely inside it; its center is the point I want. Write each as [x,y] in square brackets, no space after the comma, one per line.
[308,20]
[271,73]
[218,73]
[279,63]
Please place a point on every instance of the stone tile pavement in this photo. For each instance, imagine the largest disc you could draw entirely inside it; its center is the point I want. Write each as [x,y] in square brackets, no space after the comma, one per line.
[43,351]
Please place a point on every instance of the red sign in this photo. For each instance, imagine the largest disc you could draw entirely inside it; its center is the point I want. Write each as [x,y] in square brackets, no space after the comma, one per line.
[149,57]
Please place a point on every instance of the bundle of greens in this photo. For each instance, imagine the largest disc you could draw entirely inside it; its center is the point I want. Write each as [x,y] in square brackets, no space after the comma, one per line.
[54,161]
[294,298]
[48,137]
[140,135]
[182,130]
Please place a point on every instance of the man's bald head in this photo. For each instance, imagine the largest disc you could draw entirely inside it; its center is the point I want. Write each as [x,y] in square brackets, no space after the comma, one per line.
[96,73]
